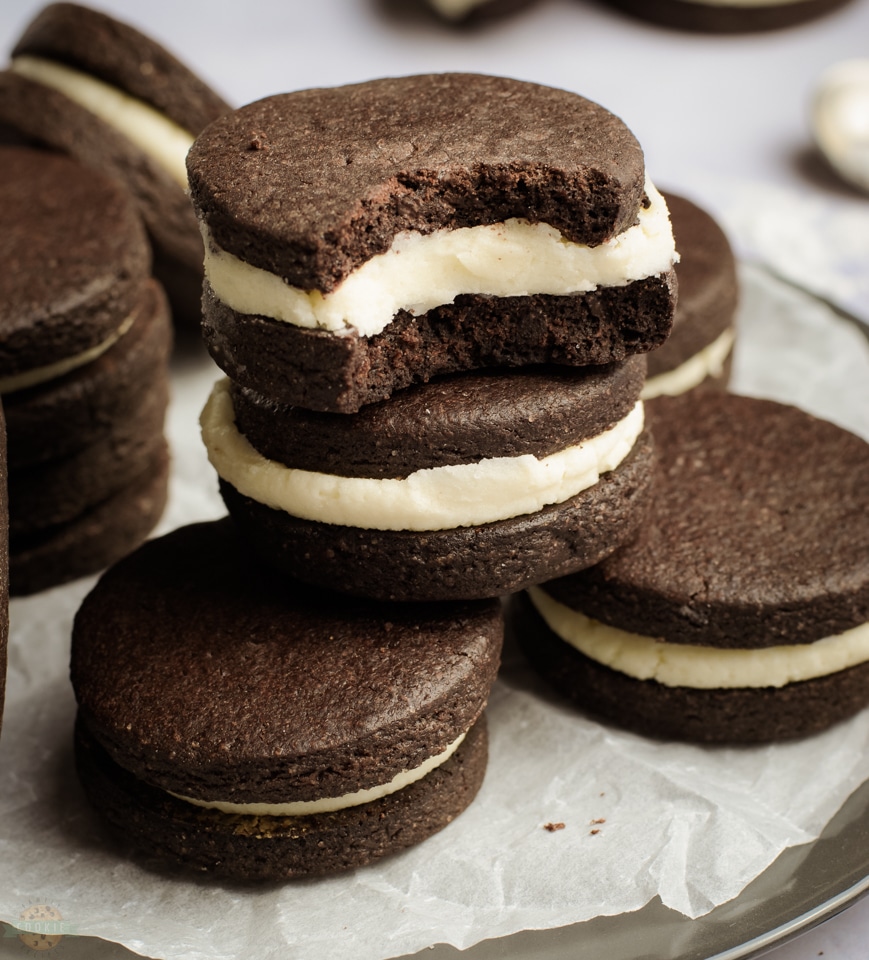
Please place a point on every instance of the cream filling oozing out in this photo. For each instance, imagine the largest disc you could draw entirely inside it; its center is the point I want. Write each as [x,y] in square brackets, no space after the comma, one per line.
[420,272]
[303,808]
[437,498]
[155,134]
[702,668]
[37,375]
[708,362]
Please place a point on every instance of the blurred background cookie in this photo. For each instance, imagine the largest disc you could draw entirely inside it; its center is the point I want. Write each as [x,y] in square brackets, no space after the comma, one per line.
[735,16]
[95,88]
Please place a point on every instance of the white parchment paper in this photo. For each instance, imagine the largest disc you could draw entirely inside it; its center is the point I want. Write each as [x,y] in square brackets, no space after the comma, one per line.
[690,825]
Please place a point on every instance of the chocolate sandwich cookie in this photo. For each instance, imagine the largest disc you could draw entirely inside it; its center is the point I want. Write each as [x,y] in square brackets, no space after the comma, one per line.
[85,84]
[365,238]
[57,418]
[699,349]
[728,16]
[77,262]
[293,732]
[739,612]
[469,486]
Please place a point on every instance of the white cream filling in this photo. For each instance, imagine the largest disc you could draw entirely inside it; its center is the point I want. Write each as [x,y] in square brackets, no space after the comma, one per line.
[840,118]
[708,362]
[37,375]
[438,498]
[155,134]
[420,272]
[303,808]
[702,668]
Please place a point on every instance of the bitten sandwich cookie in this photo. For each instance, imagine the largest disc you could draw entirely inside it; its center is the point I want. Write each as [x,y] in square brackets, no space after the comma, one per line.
[740,613]
[729,16]
[292,732]
[84,348]
[469,486]
[699,350]
[97,89]
[365,238]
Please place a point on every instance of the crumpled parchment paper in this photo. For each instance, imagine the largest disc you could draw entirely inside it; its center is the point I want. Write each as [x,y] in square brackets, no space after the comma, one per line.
[690,825]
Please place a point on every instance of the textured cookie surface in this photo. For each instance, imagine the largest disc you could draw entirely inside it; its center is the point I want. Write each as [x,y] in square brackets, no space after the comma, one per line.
[76,259]
[93,540]
[758,535]
[277,693]
[708,289]
[458,420]
[311,184]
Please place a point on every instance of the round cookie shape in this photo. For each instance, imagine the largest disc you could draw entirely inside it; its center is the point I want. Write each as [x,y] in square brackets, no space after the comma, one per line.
[278,693]
[456,420]
[54,419]
[120,55]
[719,16]
[758,536]
[708,286]
[76,256]
[339,172]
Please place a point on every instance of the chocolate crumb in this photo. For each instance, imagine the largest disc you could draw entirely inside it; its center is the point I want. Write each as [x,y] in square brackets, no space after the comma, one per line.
[598,820]
[594,832]
[552,827]
[258,141]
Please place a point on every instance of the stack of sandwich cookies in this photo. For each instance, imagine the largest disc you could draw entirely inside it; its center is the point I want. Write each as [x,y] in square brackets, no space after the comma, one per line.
[84,370]
[699,350]
[90,86]
[292,732]
[412,227]
[469,486]
[741,611]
